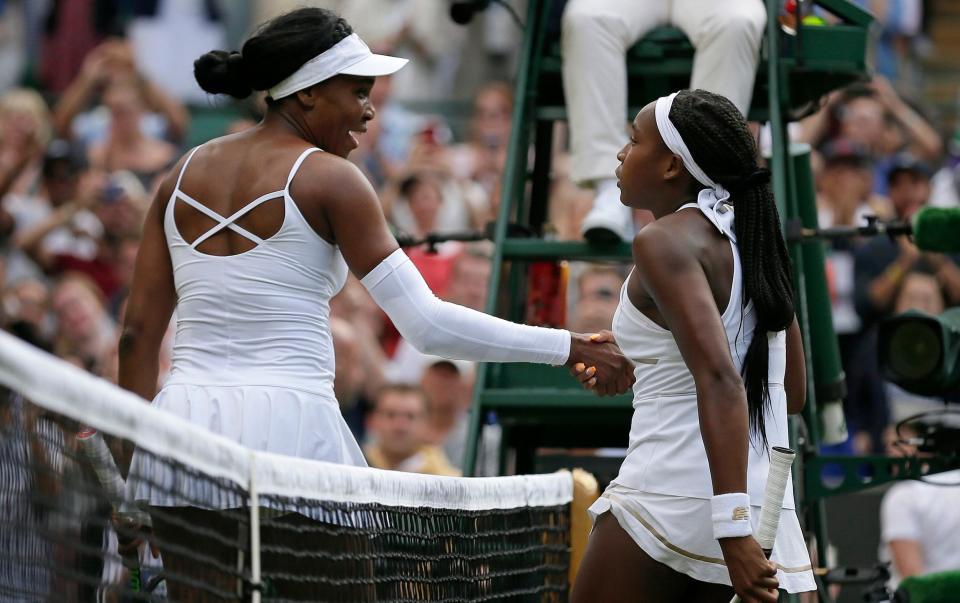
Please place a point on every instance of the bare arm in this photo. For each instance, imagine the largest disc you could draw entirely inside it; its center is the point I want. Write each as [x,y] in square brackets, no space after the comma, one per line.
[15,157]
[79,94]
[30,241]
[907,557]
[948,274]
[795,379]
[151,303]
[814,128]
[176,114]
[882,290]
[916,127]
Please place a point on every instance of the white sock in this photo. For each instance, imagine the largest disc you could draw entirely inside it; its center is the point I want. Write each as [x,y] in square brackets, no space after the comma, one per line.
[603,186]
[607,197]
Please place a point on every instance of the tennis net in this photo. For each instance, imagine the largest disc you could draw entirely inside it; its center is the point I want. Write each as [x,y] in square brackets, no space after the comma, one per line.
[231,524]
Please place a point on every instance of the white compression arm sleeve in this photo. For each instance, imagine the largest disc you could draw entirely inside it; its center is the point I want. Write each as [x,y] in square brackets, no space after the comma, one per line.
[444,329]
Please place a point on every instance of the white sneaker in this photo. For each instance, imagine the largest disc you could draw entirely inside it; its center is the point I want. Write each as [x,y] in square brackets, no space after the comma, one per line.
[608,221]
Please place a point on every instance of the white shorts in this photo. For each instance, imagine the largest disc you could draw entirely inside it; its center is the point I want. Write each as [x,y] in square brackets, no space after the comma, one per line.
[281,420]
[678,532]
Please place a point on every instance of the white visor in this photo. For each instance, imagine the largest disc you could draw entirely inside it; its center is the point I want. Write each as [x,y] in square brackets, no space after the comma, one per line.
[349,56]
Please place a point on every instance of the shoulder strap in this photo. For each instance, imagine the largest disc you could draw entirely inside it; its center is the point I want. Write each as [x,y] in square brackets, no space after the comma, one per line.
[296,166]
[183,169]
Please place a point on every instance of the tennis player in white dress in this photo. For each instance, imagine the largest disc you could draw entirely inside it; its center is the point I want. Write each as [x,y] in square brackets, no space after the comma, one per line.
[707,318]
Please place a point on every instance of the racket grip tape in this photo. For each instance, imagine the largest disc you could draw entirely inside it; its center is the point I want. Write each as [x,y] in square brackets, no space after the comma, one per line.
[781,459]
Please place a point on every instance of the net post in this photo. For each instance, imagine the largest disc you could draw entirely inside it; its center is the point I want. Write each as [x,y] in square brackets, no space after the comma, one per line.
[254,502]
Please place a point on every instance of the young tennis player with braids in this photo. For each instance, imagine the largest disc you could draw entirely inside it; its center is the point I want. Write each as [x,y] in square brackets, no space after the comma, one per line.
[707,317]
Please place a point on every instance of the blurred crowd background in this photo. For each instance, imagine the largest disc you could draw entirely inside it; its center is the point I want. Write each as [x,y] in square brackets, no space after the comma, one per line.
[98,100]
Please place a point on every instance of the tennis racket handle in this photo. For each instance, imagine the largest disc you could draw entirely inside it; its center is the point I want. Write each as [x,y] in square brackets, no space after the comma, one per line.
[779,474]
[95,449]
[781,459]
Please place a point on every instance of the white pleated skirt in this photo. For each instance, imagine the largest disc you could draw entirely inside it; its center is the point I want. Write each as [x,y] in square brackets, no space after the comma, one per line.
[273,419]
[678,532]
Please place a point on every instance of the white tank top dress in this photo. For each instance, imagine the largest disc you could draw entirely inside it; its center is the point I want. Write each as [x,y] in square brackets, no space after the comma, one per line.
[253,355]
[661,496]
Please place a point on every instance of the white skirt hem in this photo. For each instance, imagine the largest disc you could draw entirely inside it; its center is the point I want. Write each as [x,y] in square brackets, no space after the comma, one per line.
[677,532]
[284,421]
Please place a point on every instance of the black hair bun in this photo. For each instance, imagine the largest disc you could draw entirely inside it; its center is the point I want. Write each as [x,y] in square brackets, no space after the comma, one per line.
[222,72]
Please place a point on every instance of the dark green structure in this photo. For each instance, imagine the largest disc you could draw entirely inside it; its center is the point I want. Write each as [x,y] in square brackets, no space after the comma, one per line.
[539,406]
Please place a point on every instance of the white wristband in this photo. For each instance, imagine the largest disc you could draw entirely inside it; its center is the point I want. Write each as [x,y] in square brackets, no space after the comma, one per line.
[731,515]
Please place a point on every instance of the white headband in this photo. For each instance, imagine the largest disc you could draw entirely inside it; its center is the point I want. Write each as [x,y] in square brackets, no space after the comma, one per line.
[712,199]
[349,56]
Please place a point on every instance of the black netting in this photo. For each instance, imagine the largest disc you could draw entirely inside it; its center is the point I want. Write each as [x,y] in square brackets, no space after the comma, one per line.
[371,552]
[66,536]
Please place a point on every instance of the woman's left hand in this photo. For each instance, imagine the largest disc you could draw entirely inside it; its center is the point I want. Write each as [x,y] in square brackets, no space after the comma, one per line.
[587,375]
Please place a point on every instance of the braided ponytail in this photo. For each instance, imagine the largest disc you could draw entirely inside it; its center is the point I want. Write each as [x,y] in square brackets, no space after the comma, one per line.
[721,144]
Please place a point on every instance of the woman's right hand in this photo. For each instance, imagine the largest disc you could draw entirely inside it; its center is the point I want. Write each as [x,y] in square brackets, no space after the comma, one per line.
[599,365]
[754,577]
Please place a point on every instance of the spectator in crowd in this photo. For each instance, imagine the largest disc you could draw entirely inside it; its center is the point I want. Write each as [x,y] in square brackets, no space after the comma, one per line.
[920,521]
[123,255]
[72,29]
[13,45]
[905,130]
[845,194]
[354,306]
[417,211]
[25,311]
[899,25]
[127,147]
[96,260]
[56,219]
[920,291]
[891,275]
[447,386]
[568,203]
[945,184]
[876,117]
[396,433]
[84,329]
[420,205]
[83,114]
[123,203]
[482,157]
[470,278]
[845,198]
[882,262]
[464,203]
[24,134]
[598,295]
[350,375]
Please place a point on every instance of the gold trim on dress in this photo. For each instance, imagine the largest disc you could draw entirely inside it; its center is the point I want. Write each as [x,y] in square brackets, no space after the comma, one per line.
[680,551]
